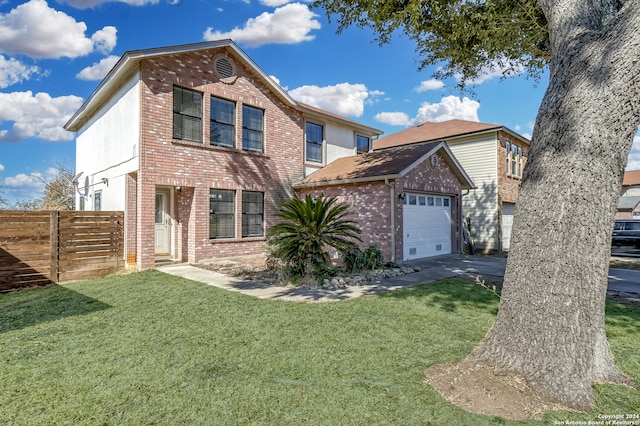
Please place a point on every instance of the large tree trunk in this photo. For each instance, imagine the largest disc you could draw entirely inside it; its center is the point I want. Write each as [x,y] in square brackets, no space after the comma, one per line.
[550,325]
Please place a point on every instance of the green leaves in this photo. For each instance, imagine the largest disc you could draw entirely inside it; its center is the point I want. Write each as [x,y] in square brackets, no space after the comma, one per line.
[468,37]
[309,227]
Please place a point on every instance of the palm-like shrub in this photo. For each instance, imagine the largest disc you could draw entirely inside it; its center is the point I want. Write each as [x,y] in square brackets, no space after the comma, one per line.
[309,227]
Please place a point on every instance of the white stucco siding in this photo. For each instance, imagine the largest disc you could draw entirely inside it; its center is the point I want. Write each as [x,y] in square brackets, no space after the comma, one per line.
[634,191]
[107,148]
[340,142]
[479,158]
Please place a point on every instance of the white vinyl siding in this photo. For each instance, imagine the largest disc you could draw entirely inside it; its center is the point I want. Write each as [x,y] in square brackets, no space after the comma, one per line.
[479,158]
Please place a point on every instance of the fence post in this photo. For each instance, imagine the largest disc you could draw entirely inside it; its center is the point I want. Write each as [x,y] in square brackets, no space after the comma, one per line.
[54,240]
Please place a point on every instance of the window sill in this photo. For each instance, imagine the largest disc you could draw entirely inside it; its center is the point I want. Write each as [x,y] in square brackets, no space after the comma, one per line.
[218,148]
[236,240]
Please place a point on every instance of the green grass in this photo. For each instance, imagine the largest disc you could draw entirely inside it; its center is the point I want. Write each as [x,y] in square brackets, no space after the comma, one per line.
[150,348]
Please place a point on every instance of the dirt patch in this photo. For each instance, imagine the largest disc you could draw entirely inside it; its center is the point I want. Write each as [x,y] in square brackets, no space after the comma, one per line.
[625,263]
[484,389]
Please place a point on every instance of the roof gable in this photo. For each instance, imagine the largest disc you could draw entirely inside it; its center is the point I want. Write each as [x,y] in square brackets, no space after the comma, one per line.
[391,163]
[129,63]
[429,131]
[631,178]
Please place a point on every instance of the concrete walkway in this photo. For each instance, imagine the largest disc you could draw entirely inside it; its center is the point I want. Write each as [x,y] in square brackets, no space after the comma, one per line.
[624,284]
[433,269]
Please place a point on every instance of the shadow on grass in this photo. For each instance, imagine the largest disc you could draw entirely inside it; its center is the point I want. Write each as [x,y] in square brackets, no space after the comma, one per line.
[450,295]
[625,318]
[31,307]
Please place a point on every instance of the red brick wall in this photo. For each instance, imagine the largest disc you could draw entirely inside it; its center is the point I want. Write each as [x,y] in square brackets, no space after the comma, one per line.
[370,205]
[197,167]
[131,218]
[508,186]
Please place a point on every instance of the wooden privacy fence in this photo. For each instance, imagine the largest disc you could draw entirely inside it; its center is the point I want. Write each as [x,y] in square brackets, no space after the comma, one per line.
[44,247]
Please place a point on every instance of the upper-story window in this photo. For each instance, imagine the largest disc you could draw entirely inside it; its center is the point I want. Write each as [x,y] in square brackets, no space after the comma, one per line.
[252,129]
[315,138]
[187,114]
[363,144]
[514,160]
[223,129]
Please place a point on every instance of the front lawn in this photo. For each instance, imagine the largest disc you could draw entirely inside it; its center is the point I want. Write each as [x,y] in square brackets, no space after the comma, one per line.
[150,348]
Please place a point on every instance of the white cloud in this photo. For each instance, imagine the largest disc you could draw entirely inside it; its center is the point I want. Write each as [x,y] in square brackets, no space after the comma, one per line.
[104,40]
[495,70]
[13,71]
[343,98]
[274,3]
[36,30]
[277,80]
[85,4]
[393,118]
[99,70]
[633,162]
[449,108]
[25,186]
[24,181]
[1,167]
[288,24]
[38,115]
[429,85]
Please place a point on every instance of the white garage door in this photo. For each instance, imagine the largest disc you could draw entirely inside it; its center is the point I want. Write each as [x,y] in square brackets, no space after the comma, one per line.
[426,225]
[508,209]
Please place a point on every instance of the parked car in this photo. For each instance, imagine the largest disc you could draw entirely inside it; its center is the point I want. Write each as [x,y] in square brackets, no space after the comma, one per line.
[626,233]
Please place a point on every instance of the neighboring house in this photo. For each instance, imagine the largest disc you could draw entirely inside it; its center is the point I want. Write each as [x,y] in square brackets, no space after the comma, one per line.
[631,184]
[494,157]
[629,202]
[199,147]
[628,207]
[406,200]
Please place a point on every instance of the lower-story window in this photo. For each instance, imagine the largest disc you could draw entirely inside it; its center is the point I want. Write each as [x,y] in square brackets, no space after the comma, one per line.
[252,214]
[221,213]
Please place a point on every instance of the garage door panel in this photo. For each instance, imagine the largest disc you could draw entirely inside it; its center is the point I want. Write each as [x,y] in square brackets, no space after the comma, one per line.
[427,228]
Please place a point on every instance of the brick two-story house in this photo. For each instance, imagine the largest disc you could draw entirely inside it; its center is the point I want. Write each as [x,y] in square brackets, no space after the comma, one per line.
[494,157]
[199,147]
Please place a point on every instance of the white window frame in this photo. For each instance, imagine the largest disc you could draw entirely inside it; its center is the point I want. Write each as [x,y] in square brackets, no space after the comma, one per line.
[322,144]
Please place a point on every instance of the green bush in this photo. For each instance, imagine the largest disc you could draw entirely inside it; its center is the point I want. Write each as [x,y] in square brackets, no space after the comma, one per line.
[368,259]
[309,227]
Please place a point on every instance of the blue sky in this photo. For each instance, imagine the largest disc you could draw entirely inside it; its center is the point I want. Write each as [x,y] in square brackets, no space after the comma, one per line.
[54,53]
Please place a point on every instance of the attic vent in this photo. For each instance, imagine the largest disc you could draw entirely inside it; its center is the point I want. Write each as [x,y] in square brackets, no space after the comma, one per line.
[225,68]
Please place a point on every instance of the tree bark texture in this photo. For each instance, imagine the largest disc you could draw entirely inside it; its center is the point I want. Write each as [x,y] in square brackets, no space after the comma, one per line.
[550,324]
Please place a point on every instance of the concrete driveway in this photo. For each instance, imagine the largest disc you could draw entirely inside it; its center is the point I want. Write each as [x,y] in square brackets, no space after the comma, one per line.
[491,267]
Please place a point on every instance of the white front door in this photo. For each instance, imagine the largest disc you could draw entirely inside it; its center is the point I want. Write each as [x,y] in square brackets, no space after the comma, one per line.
[163,228]
[508,210]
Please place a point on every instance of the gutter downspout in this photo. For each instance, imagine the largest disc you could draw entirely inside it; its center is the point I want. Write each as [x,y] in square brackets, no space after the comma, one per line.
[392,194]
[461,242]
